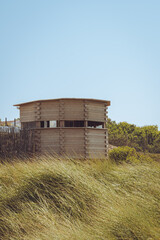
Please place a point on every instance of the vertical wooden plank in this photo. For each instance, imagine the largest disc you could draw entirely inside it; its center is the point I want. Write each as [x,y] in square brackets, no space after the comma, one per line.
[61,141]
[106,143]
[61,109]
[14,122]
[37,140]
[38,124]
[38,111]
[85,129]
[61,123]
[5,121]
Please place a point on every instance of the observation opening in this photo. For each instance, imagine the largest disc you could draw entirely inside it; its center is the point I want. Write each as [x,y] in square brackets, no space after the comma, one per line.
[63,123]
[93,124]
[49,124]
[73,123]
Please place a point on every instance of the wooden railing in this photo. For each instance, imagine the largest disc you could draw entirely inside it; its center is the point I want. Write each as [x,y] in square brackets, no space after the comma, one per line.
[16,144]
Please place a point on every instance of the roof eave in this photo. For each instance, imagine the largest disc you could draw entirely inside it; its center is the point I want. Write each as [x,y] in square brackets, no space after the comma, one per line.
[108,103]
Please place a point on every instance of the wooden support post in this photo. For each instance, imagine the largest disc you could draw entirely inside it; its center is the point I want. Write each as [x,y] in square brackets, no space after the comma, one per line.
[106,143]
[61,123]
[61,111]
[85,129]
[5,121]
[14,122]
[38,124]
[61,141]
[38,111]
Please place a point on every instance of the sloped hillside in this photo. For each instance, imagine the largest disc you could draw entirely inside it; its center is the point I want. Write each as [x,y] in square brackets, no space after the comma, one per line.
[46,199]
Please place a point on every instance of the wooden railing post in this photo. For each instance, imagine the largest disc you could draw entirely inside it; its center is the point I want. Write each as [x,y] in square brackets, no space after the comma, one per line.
[14,122]
[5,121]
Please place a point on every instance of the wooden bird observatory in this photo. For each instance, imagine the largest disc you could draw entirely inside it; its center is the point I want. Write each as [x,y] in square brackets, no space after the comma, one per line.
[67,126]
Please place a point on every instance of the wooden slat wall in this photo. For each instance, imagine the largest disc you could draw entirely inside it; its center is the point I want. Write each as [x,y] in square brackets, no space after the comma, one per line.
[14,144]
[63,110]
[50,110]
[27,112]
[50,140]
[37,140]
[96,143]
[86,142]
[73,110]
[74,141]
[96,111]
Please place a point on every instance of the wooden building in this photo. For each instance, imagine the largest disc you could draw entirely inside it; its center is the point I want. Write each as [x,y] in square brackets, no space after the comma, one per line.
[72,126]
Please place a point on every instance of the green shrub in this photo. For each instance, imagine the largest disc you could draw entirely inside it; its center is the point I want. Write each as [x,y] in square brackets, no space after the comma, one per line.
[123,154]
[145,158]
[129,155]
[143,139]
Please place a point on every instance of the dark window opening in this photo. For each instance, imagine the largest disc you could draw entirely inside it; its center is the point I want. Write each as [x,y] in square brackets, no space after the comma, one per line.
[78,123]
[55,124]
[68,123]
[42,124]
[73,123]
[93,124]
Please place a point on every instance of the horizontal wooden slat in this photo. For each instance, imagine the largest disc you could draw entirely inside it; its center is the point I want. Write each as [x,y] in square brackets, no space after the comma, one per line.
[73,110]
[27,113]
[50,110]
[95,104]
[50,140]
[96,155]
[96,109]
[95,144]
[96,149]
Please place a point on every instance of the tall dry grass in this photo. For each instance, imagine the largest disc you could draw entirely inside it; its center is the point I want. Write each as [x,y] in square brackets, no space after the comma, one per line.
[46,198]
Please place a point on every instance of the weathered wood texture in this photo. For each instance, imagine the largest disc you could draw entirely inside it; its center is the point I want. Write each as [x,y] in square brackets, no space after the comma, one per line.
[82,141]
[73,110]
[50,140]
[62,141]
[49,110]
[15,144]
[27,112]
[97,143]
[63,110]
[96,111]
[75,142]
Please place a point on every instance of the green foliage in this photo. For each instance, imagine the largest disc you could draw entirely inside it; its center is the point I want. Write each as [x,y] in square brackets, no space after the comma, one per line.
[59,199]
[144,139]
[122,154]
[128,155]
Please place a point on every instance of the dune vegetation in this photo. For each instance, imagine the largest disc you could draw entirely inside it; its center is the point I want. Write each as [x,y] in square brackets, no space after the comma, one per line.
[143,139]
[47,198]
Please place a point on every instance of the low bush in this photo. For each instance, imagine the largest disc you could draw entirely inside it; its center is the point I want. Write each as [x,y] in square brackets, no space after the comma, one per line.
[122,154]
[143,139]
[128,155]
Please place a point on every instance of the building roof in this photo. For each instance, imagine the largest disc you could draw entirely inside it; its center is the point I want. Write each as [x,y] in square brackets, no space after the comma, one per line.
[47,100]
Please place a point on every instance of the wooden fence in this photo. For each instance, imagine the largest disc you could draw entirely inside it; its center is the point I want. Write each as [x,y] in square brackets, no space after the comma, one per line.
[16,144]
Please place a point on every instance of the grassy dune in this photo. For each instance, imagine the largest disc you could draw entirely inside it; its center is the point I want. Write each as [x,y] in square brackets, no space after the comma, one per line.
[47,198]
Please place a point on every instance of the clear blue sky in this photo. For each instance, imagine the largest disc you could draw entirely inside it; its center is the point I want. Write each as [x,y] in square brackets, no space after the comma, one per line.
[86,49]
